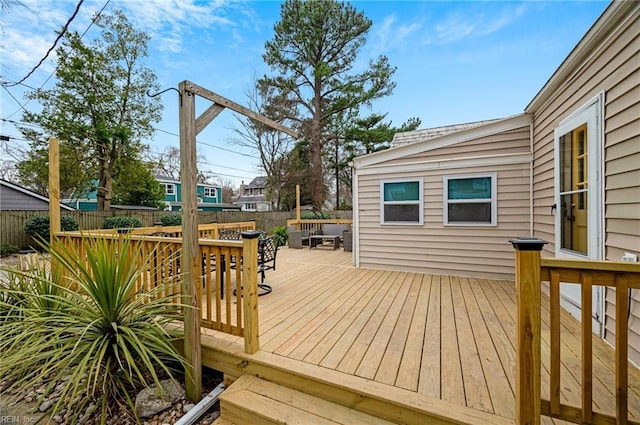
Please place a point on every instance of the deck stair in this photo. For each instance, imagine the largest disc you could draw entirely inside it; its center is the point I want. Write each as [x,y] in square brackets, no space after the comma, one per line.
[251,400]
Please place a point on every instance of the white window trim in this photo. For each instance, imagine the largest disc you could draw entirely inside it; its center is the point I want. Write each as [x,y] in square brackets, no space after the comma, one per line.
[494,200]
[419,202]
[168,186]
[210,190]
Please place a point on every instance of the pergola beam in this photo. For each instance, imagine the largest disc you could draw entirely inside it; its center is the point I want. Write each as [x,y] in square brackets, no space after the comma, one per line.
[207,116]
[226,103]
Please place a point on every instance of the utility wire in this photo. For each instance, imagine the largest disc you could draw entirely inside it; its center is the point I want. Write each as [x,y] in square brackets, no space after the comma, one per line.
[22,105]
[55,43]
[209,144]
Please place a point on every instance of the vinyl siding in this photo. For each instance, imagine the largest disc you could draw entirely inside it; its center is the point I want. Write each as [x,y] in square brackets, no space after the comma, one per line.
[11,199]
[613,67]
[450,250]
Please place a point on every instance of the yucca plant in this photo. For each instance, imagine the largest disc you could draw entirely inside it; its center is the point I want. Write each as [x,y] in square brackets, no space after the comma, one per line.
[86,325]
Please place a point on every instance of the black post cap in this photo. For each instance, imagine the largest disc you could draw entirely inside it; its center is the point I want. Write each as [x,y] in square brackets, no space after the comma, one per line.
[527,244]
[251,234]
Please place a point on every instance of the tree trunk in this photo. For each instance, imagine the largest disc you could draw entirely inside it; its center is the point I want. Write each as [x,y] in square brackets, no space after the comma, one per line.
[317,175]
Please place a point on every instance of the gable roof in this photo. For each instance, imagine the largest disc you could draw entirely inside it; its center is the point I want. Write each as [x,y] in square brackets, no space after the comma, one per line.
[30,193]
[407,137]
[260,181]
[425,141]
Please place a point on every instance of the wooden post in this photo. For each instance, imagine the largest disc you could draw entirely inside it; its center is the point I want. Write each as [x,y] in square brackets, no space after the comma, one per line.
[54,187]
[298,206]
[528,330]
[189,255]
[250,290]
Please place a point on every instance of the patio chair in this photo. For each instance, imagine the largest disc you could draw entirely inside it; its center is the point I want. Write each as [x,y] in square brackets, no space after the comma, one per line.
[298,238]
[267,252]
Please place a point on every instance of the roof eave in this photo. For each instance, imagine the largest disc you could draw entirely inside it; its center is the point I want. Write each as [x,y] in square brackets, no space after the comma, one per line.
[492,127]
[608,20]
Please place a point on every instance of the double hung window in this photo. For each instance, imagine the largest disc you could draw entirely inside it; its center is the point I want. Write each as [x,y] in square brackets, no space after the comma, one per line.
[401,202]
[470,200]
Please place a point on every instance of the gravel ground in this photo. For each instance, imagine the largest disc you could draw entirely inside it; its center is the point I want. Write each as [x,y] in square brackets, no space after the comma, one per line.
[22,406]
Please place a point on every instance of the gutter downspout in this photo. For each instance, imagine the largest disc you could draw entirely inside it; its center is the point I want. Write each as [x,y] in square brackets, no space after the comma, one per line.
[202,407]
[531,151]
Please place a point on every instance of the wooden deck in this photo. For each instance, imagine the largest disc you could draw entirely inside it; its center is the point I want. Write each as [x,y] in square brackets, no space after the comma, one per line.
[436,337]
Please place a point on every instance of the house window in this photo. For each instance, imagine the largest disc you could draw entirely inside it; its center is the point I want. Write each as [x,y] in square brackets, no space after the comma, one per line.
[210,192]
[169,188]
[401,202]
[470,200]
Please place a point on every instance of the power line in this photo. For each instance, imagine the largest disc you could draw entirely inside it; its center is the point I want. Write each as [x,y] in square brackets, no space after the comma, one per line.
[210,145]
[55,43]
[22,105]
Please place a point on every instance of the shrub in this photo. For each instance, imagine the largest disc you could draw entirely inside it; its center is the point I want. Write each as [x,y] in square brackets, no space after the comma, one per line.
[280,235]
[314,215]
[121,221]
[94,340]
[171,219]
[38,227]
[7,249]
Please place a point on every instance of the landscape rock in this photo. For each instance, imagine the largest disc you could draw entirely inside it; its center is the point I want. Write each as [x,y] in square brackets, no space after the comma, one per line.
[46,405]
[153,400]
[188,407]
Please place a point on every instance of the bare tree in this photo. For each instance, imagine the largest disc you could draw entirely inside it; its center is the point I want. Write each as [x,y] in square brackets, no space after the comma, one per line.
[271,145]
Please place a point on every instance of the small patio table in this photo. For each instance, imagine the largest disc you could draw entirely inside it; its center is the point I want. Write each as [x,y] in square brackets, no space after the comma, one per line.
[314,240]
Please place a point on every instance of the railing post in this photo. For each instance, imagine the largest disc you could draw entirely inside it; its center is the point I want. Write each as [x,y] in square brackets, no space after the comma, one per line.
[250,290]
[528,330]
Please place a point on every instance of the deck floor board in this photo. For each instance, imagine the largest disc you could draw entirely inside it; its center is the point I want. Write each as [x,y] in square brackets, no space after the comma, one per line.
[451,338]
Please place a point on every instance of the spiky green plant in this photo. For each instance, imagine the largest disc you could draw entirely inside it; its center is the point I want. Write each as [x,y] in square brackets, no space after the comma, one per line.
[87,326]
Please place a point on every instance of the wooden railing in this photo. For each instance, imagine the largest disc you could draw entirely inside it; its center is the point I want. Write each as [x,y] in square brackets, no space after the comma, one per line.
[228,297]
[313,225]
[531,270]
[210,230]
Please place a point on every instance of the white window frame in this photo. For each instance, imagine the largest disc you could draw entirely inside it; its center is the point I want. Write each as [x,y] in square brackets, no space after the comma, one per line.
[213,193]
[446,201]
[169,188]
[419,202]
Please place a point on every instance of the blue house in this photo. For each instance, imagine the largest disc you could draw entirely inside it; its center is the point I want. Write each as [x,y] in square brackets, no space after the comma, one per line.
[209,198]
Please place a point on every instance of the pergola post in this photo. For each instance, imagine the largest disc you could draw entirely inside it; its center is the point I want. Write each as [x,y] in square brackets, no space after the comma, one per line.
[528,343]
[54,188]
[190,126]
[189,256]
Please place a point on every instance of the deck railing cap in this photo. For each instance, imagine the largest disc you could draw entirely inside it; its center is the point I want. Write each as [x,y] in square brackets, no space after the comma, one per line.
[527,244]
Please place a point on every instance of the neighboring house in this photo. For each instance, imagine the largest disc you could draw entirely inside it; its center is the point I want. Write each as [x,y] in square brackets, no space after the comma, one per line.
[253,197]
[567,170]
[15,197]
[209,198]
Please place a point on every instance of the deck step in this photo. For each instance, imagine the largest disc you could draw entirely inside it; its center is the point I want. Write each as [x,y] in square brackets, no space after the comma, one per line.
[251,400]
[222,421]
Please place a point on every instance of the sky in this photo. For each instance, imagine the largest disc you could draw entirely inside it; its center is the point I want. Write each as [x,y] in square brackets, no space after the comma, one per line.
[457,61]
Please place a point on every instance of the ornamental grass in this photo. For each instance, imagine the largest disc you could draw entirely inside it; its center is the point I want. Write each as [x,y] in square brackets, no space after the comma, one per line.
[84,328]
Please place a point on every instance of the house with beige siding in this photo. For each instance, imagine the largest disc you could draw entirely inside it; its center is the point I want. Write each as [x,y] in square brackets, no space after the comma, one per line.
[566,170]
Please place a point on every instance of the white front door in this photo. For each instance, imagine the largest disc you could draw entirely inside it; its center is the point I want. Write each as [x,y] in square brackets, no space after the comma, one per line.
[578,198]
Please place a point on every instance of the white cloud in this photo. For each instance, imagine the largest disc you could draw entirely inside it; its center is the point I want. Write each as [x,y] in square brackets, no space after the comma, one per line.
[459,26]
[391,34]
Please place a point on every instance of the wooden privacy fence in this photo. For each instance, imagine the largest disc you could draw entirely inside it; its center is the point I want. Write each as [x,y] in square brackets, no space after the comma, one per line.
[12,222]
[228,297]
[531,271]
